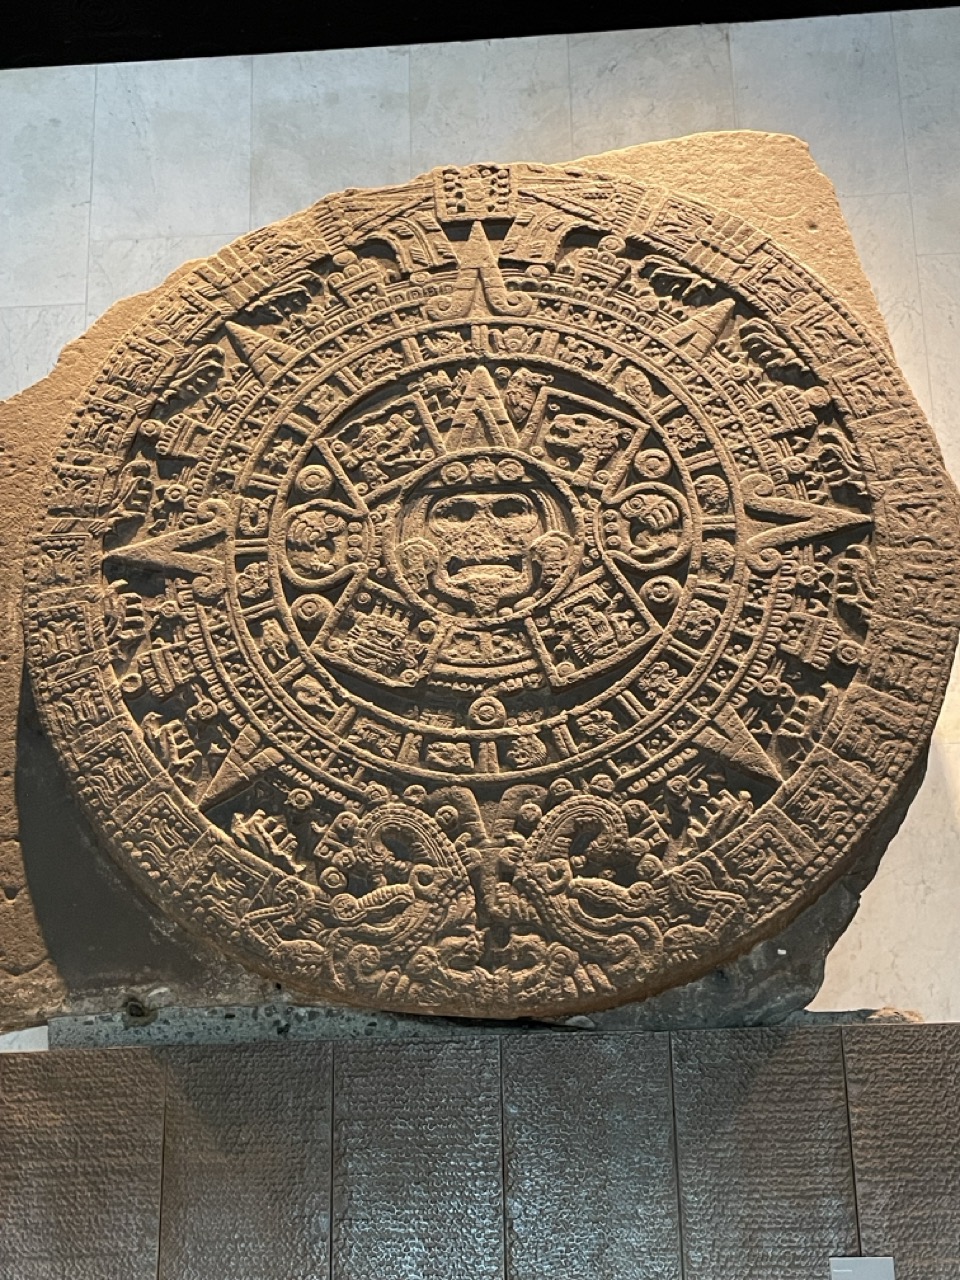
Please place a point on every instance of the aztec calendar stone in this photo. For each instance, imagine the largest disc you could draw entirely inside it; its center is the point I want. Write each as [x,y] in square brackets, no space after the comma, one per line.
[511,593]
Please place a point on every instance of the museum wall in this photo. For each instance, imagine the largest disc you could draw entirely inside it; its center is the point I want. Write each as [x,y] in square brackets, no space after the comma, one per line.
[116,174]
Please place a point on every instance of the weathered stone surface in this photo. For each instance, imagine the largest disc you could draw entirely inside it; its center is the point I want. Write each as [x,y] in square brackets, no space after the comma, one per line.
[904,1097]
[473,652]
[589,1161]
[775,980]
[246,1173]
[770,180]
[81,1142]
[417,1168]
[492,625]
[766,1181]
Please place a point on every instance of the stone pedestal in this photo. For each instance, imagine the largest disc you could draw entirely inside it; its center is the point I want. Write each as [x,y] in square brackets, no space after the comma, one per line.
[710,1155]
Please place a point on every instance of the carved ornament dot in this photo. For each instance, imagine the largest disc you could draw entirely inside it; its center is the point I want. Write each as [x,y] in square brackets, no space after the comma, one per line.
[511,593]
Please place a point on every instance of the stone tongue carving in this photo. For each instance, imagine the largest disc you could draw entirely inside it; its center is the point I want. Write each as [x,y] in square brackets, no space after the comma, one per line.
[511,593]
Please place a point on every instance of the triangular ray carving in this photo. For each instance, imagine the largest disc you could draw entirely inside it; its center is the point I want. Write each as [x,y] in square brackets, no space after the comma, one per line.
[239,769]
[264,355]
[730,739]
[481,419]
[184,553]
[802,521]
[699,335]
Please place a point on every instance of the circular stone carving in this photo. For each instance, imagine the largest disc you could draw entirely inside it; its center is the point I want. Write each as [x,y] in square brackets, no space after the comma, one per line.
[511,593]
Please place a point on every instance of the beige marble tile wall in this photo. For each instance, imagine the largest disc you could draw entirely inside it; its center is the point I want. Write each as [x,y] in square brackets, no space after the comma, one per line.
[111,176]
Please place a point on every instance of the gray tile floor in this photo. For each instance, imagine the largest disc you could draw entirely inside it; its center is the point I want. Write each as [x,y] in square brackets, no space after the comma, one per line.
[110,176]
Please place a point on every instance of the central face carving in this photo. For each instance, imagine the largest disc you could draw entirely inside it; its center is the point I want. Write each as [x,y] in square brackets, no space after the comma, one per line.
[485,533]
[484,543]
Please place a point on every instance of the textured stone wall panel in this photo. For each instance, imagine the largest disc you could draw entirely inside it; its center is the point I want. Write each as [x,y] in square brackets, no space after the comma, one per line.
[81,1138]
[590,1170]
[246,1185]
[417,1162]
[764,1153]
[904,1087]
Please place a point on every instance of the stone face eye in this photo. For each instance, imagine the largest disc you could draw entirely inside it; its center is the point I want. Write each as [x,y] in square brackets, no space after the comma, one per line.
[456,511]
[513,508]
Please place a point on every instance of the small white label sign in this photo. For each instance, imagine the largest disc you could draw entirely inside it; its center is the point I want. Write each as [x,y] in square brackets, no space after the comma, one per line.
[862,1269]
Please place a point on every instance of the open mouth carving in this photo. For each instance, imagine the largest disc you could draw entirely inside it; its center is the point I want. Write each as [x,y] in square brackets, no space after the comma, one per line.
[463,564]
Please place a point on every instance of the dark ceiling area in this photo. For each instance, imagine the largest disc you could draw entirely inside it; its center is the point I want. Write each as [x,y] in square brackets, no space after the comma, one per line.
[55,32]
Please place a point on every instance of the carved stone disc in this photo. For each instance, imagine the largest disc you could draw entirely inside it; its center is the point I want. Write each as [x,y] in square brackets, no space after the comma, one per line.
[511,593]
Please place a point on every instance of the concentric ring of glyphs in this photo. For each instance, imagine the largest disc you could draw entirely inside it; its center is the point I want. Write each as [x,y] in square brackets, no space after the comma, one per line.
[510,593]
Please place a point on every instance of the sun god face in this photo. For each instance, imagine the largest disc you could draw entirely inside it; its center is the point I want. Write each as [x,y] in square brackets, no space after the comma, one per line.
[485,536]
[483,542]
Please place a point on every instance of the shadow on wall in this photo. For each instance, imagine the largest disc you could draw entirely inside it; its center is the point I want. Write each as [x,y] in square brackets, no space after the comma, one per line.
[99,931]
